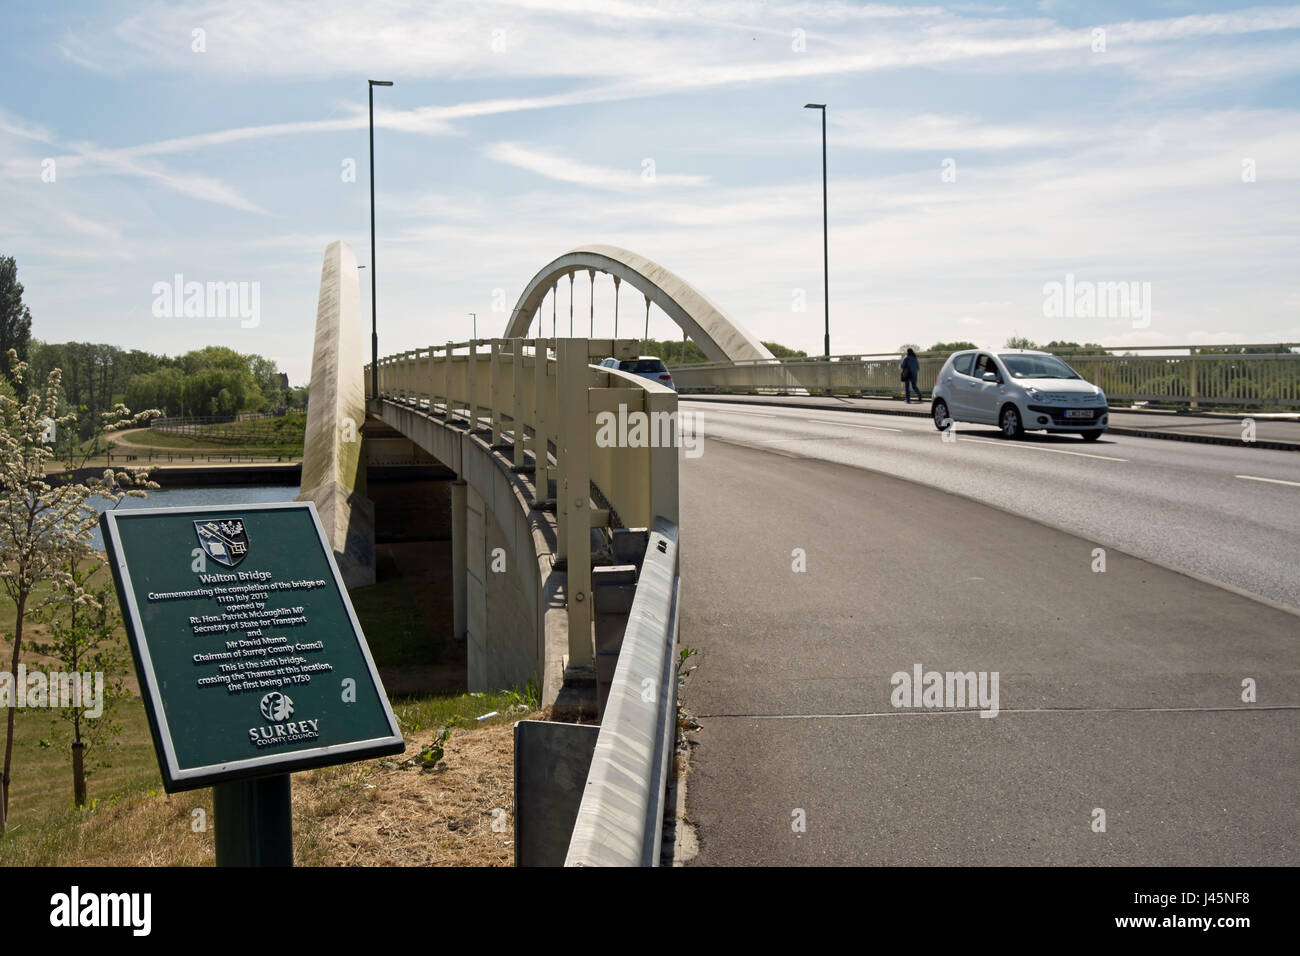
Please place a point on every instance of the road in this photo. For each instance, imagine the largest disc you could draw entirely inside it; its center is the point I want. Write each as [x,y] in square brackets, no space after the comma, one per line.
[1119,691]
[1263,430]
[1229,514]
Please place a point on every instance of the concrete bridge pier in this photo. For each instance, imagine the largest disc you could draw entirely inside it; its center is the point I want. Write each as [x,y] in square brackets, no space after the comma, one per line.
[507,605]
[459,530]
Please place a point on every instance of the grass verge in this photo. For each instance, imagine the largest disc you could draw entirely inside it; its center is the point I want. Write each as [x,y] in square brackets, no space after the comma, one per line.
[376,812]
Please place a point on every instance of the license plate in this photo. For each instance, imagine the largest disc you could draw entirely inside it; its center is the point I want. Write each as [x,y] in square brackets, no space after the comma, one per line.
[1078,413]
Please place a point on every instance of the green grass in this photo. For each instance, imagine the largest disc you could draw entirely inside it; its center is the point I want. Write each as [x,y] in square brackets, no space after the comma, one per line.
[42,759]
[425,715]
[284,430]
[156,439]
[394,625]
[282,436]
[45,826]
[40,801]
[184,443]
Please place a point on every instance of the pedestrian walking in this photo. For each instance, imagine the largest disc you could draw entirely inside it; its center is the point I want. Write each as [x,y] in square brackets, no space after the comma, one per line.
[910,369]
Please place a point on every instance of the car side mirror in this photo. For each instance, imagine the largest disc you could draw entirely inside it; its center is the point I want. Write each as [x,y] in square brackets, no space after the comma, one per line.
[990,376]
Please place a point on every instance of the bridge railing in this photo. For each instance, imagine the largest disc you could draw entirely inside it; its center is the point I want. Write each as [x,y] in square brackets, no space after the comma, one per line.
[1260,378]
[601,444]
[620,818]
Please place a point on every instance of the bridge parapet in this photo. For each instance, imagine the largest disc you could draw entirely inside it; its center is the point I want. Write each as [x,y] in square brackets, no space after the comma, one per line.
[595,446]
[1172,374]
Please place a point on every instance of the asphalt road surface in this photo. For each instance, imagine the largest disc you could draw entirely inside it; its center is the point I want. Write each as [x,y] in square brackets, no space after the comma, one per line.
[1118,691]
[1228,513]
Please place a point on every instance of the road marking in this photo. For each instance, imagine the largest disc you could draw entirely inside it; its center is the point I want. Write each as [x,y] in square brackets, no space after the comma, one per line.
[1054,451]
[759,414]
[879,428]
[771,441]
[1275,481]
[913,712]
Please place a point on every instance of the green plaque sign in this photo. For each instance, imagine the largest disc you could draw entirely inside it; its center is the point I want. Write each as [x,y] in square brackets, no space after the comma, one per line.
[250,658]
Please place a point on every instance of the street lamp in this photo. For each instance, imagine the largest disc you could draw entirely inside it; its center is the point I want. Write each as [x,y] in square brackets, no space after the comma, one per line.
[474,317]
[826,244]
[374,326]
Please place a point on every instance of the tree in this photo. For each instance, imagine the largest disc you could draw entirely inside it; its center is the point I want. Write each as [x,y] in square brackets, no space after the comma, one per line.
[41,522]
[162,388]
[267,375]
[1245,350]
[1056,346]
[951,346]
[674,353]
[215,381]
[15,318]
[84,639]
[213,356]
[1020,342]
[783,352]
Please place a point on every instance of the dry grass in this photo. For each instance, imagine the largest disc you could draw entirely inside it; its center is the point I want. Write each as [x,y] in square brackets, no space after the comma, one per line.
[363,814]
[375,816]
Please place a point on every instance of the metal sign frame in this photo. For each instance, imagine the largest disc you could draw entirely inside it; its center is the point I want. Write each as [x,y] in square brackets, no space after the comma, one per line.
[177,778]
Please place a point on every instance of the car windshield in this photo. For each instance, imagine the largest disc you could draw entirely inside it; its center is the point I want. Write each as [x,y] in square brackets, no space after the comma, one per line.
[642,366]
[1036,366]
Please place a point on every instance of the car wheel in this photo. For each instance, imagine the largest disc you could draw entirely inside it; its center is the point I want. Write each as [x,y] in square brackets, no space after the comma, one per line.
[939,411]
[1009,422]
[1091,436]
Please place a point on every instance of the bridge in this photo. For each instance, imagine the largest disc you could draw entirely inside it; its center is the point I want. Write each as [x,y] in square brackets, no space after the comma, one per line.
[1143,679]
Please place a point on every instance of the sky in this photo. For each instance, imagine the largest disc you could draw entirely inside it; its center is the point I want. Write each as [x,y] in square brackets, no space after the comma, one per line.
[977,155]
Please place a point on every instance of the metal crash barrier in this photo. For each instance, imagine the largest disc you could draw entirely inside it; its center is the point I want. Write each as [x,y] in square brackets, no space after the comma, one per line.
[620,819]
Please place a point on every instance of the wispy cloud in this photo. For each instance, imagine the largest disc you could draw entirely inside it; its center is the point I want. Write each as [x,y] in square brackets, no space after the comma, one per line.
[525,122]
[564,169]
[696,46]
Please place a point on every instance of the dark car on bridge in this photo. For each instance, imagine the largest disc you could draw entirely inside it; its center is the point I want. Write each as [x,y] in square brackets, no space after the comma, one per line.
[646,366]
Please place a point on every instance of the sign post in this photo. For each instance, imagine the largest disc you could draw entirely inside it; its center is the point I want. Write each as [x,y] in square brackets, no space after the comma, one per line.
[254,825]
[250,658]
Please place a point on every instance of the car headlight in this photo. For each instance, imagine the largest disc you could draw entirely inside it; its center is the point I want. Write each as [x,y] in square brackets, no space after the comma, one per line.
[1034,393]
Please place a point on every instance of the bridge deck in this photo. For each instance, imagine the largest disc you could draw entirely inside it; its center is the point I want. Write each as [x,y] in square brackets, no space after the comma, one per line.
[900,574]
[1282,429]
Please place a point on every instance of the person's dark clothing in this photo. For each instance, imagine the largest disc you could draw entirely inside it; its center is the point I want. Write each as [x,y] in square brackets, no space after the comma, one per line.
[911,367]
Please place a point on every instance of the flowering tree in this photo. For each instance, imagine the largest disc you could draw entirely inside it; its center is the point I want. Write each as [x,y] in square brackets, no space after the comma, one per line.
[82,623]
[45,523]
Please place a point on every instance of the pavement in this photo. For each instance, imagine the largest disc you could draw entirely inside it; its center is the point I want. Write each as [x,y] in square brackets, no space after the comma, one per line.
[1278,431]
[1119,690]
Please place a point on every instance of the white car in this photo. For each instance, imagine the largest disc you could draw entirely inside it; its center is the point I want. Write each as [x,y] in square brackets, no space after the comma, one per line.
[1017,390]
[646,366]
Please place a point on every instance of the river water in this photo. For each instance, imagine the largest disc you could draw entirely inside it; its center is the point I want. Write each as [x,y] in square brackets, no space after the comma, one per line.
[197,498]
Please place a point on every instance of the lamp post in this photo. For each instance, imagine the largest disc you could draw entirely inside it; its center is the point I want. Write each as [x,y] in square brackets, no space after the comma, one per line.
[826,245]
[474,318]
[374,326]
